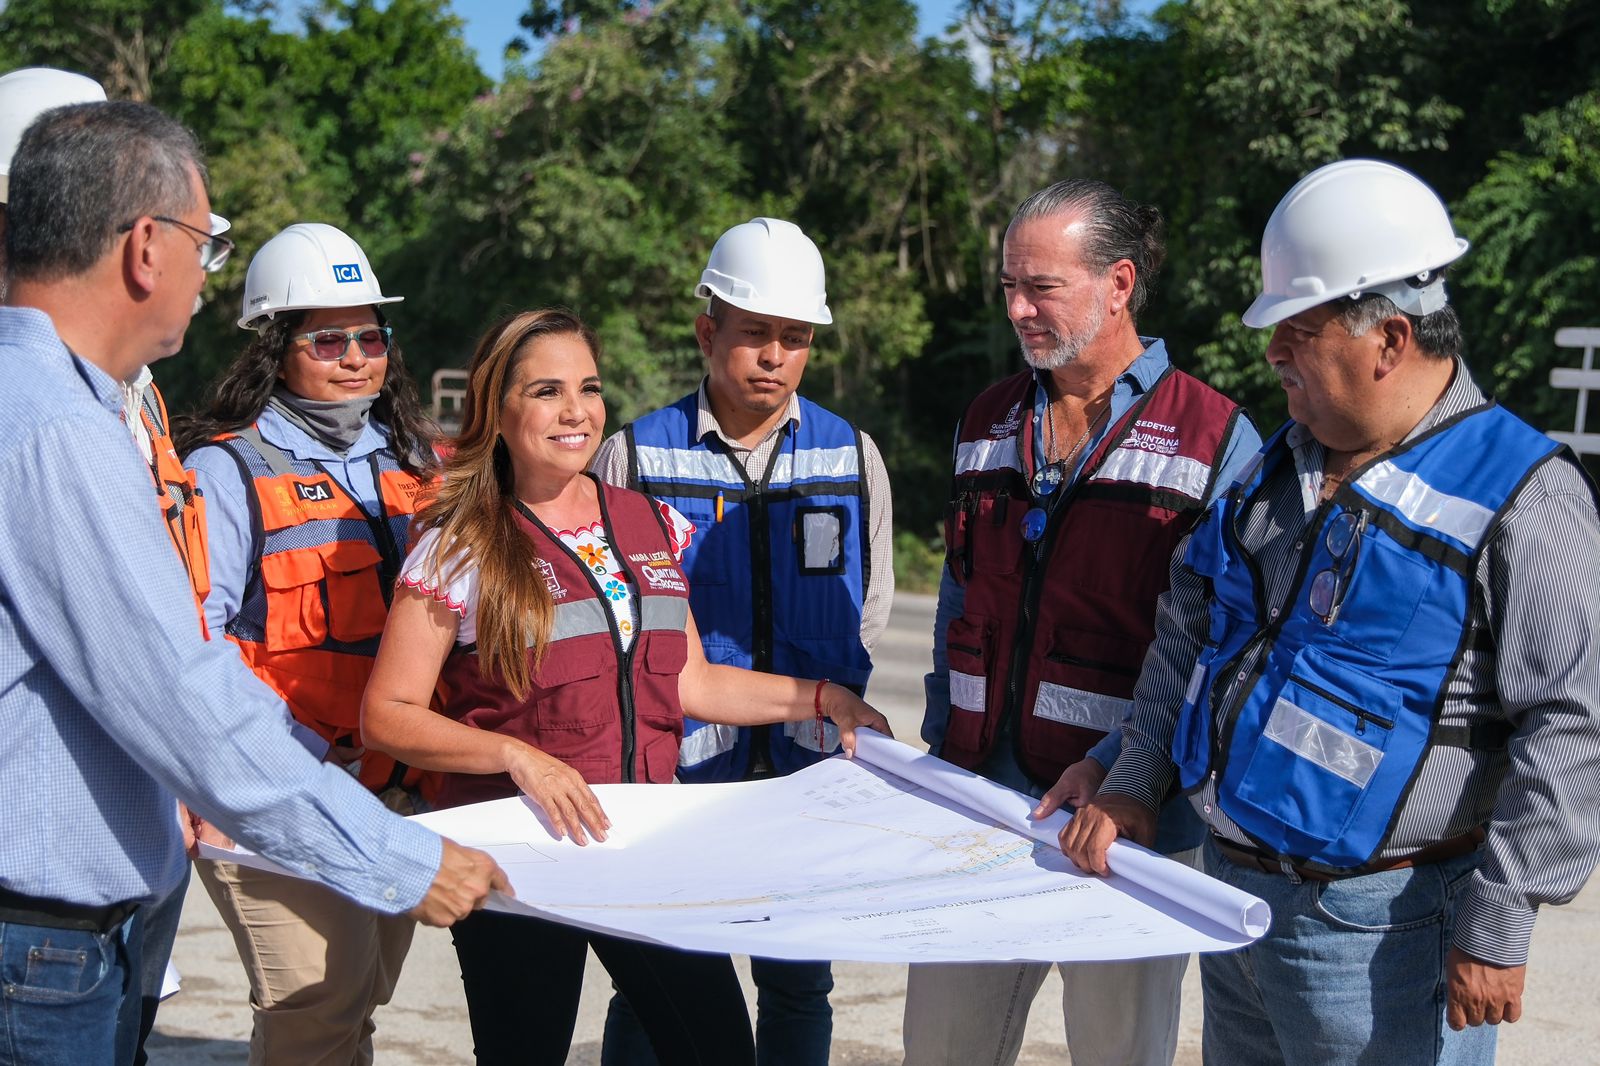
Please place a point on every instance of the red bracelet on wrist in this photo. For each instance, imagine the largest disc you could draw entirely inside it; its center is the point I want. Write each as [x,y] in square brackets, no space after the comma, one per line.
[816,703]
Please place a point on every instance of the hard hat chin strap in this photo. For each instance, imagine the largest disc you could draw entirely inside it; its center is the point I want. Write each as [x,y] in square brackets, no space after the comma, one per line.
[1420,295]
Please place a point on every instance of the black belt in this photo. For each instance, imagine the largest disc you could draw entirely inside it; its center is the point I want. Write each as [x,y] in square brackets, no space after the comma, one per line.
[56,914]
[1272,864]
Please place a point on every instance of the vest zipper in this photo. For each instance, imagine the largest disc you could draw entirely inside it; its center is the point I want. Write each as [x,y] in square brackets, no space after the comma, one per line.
[1032,582]
[761,586]
[625,707]
[1362,715]
[1240,686]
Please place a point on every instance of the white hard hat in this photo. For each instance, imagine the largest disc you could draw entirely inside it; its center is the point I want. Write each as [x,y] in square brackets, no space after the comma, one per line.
[768,266]
[28,93]
[1354,227]
[309,265]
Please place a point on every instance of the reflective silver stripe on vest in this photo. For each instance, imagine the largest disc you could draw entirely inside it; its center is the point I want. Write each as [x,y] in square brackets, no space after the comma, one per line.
[581,618]
[1425,506]
[706,742]
[1175,473]
[804,734]
[1073,706]
[1316,741]
[663,612]
[668,464]
[276,461]
[804,464]
[975,455]
[967,691]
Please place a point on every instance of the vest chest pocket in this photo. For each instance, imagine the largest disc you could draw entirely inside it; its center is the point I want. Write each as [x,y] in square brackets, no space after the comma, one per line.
[994,533]
[706,561]
[1320,746]
[564,701]
[328,592]
[356,609]
[1387,586]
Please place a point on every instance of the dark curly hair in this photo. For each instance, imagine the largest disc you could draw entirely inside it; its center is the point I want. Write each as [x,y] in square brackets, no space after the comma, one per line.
[237,398]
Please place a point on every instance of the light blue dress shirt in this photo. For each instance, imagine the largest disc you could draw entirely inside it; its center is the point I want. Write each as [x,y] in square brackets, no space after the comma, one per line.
[1179,828]
[111,703]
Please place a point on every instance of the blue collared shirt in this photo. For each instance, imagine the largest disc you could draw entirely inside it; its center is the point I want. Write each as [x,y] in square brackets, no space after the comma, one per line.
[1179,829]
[111,704]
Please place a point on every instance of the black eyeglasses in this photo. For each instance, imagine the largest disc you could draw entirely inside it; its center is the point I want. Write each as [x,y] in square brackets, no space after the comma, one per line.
[329,345]
[1343,541]
[214,249]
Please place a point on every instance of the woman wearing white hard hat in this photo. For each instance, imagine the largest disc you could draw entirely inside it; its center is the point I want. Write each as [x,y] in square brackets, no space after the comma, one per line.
[311,455]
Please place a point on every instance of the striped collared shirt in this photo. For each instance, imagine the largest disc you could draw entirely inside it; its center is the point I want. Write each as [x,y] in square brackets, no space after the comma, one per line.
[1534,597]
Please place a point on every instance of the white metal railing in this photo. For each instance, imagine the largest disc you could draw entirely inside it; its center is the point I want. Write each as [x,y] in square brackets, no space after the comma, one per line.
[449,399]
[1583,380]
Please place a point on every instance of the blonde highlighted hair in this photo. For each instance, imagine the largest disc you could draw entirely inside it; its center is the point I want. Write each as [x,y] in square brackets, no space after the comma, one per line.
[473,507]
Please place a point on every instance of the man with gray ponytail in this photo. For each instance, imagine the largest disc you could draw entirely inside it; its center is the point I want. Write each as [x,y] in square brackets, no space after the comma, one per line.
[1074,481]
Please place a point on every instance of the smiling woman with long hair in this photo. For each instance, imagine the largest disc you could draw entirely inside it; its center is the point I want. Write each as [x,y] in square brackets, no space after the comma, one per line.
[554,608]
[310,457]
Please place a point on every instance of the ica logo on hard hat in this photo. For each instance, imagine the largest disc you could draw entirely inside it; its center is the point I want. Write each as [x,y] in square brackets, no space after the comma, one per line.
[343,272]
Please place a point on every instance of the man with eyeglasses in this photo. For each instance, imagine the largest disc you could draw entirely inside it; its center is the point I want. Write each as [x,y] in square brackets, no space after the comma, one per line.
[1074,480]
[1373,671]
[24,96]
[110,700]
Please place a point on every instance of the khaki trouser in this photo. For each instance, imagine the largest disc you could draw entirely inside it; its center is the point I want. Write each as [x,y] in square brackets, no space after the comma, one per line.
[1116,1013]
[318,964]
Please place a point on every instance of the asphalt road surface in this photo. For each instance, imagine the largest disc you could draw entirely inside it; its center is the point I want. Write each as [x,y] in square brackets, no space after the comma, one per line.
[426,1024]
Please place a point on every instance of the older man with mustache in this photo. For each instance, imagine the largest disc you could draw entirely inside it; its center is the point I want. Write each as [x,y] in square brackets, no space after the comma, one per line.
[1373,671]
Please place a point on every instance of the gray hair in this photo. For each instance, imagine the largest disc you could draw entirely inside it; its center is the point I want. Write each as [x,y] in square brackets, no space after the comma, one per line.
[1115,228]
[82,171]
[1438,333]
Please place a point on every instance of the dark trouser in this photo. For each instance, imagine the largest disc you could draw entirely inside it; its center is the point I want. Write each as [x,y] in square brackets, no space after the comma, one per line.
[159,923]
[794,1021]
[523,977]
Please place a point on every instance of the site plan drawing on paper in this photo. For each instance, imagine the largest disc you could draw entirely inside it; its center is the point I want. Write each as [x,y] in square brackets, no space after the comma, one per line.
[892,856]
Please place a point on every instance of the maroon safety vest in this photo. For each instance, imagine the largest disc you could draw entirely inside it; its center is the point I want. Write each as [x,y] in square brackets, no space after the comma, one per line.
[611,715]
[1058,629]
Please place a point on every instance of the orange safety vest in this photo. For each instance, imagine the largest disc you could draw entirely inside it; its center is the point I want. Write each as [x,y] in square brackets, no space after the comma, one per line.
[318,594]
[183,508]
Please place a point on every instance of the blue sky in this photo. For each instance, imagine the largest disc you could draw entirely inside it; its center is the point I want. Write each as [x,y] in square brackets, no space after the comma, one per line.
[491,23]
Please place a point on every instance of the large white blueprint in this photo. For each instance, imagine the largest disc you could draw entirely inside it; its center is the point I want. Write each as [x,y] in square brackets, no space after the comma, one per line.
[894,856]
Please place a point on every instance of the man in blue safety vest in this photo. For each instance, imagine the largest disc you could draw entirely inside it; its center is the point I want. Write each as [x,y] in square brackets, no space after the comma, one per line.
[791,565]
[1373,670]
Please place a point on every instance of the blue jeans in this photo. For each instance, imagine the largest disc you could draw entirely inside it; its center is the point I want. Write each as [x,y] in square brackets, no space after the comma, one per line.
[68,996]
[794,1021]
[1350,972]
[159,923]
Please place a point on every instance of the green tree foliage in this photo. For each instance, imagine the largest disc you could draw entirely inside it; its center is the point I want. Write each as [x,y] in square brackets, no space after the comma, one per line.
[628,134]
[1534,220]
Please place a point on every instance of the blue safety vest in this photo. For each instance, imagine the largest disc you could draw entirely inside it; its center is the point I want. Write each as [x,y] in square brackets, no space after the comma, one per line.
[778,568]
[1313,748]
